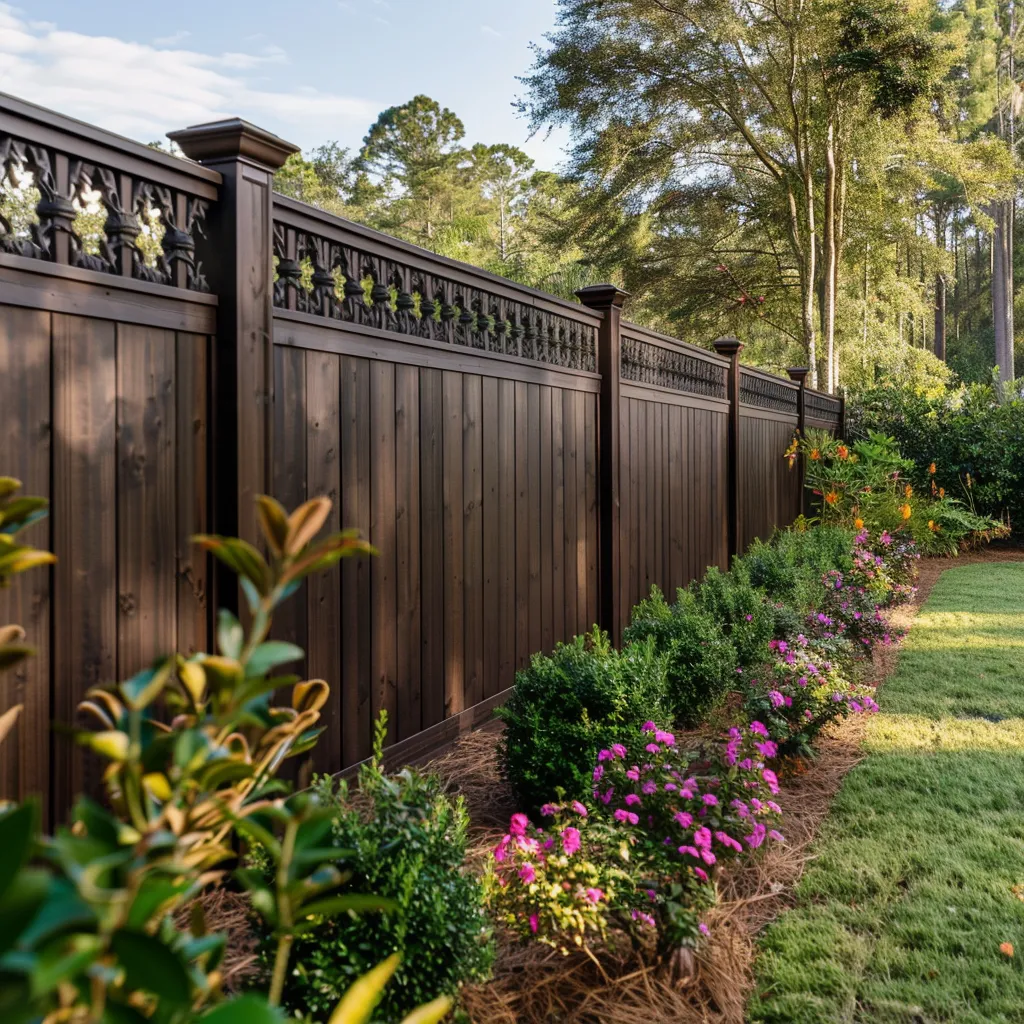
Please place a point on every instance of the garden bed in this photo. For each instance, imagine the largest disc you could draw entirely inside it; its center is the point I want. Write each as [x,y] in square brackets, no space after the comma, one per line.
[536,983]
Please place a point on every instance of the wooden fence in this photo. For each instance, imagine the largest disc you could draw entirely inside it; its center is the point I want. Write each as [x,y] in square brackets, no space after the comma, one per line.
[526,466]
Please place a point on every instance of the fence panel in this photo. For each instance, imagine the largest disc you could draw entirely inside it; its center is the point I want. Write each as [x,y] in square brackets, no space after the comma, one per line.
[104,356]
[455,415]
[673,421]
[770,494]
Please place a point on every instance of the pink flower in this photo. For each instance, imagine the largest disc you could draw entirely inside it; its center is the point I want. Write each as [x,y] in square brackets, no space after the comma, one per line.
[670,787]
[708,857]
[644,919]
[631,799]
[653,748]
[579,808]
[570,840]
[598,772]
[768,748]
[501,850]
[548,810]
[595,895]
[777,836]
[606,798]
[702,838]
[727,840]
[701,874]
[759,729]
[623,815]
[776,698]
[756,838]
[710,799]
[649,787]
[691,851]
[534,922]
[749,617]
[518,824]
[772,779]
[664,737]
[527,873]
[683,819]
[633,774]
[703,929]
[604,755]
[618,750]
[649,727]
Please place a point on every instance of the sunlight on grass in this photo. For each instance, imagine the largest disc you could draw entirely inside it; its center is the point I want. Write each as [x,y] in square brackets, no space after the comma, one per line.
[901,914]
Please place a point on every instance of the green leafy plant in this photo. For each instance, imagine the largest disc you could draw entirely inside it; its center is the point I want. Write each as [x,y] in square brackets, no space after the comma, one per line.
[570,704]
[403,838]
[747,620]
[701,662]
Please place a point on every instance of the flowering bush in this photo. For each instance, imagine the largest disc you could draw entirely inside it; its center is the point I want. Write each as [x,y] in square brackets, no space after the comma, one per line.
[746,619]
[803,690]
[683,817]
[887,566]
[558,885]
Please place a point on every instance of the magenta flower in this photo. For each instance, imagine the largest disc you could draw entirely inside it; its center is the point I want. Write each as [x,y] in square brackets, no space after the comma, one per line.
[653,748]
[701,874]
[501,850]
[702,838]
[727,840]
[527,873]
[683,819]
[768,749]
[595,895]
[644,919]
[649,727]
[579,808]
[759,729]
[708,857]
[618,750]
[598,772]
[690,851]
[776,698]
[548,810]
[633,774]
[703,929]
[534,922]
[664,737]
[518,824]
[777,836]
[749,617]
[631,799]
[570,840]
[649,787]
[772,779]
[710,800]
[604,755]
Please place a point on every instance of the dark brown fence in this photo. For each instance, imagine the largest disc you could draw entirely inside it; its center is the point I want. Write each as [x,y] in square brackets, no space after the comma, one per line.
[526,466]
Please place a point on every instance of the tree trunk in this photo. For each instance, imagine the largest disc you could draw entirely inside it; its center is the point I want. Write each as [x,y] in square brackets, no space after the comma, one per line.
[999,319]
[829,269]
[940,317]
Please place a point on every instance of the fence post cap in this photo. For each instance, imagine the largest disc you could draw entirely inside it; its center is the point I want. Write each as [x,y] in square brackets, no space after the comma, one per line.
[798,373]
[727,346]
[602,296]
[233,138]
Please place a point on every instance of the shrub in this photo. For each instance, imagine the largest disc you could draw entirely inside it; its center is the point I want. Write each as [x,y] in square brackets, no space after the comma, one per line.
[682,817]
[701,662]
[803,690]
[748,622]
[569,705]
[402,838]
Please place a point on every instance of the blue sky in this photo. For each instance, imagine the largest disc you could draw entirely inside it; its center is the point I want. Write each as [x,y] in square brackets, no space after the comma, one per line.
[312,72]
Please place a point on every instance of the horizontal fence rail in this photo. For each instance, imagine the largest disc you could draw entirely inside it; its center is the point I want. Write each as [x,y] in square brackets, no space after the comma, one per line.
[176,339]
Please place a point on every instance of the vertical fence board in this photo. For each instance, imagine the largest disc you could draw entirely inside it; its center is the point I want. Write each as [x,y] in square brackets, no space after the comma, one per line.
[558,519]
[323,589]
[84,534]
[454,551]
[590,483]
[507,526]
[492,539]
[384,657]
[533,513]
[147,535]
[432,526]
[569,452]
[407,512]
[522,589]
[583,513]
[25,411]
[473,537]
[192,422]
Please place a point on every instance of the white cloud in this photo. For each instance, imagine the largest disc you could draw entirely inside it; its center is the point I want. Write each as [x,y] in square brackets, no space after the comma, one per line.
[174,37]
[143,90]
[486,30]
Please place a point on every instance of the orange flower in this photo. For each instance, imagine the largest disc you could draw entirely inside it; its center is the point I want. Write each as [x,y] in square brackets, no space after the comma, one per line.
[815,454]
[942,492]
[858,524]
[842,451]
[934,489]
[1006,949]
[933,526]
[831,497]
[908,491]
[931,469]
[905,511]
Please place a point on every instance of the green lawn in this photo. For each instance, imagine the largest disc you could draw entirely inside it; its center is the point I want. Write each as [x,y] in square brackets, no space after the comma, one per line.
[900,916]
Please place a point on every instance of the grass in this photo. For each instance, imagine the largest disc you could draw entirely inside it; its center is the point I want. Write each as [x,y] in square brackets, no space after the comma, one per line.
[900,915]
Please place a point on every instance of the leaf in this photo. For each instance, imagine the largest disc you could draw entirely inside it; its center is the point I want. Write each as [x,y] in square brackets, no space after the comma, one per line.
[359,1001]
[144,687]
[238,555]
[8,718]
[17,834]
[244,1010]
[431,1013]
[10,633]
[305,523]
[111,743]
[354,902]
[8,485]
[193,678]
[273,522]
[23,559]
[21,509]
[269,655]
[150,966]
[311,695]
[20,905]
[230,635]
[11,654]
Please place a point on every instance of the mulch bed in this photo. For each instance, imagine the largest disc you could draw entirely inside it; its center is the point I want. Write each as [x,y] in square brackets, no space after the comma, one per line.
[535,984]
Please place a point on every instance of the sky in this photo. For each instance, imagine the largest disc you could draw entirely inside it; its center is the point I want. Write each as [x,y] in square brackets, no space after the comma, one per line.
[312,73]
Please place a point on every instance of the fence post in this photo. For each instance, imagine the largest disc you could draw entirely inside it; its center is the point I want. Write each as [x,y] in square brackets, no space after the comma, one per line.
[607,299]
[799,374]
[239,265]
[731,347]
[841,429]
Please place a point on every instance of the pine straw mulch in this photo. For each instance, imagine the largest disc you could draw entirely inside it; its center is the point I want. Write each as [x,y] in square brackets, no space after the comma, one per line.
[533,984]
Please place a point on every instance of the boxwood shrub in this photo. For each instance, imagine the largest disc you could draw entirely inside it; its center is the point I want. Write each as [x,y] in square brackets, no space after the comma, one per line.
[569,705]
[701,661]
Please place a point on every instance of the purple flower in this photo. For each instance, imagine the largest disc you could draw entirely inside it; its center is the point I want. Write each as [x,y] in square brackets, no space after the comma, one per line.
[768,749]
[759,729]
[776,698]
[689,851]
[631,799]
[701,874]
[618,750]
[703,928]
[604,755]
[598,772]
[548,810]
[683,819]
[710,799]
[649,787]
[649,727]
[653,748]
[749,617]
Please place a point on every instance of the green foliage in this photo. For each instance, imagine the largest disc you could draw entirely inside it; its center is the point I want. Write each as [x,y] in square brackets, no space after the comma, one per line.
[402,838]
[747,620]
[701,662]
[974,440]
[569,705]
